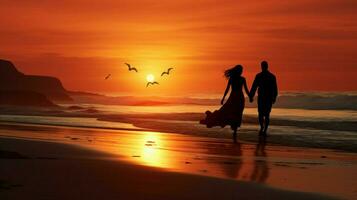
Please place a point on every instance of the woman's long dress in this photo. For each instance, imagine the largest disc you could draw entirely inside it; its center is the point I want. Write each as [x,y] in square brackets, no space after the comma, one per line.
[231,112]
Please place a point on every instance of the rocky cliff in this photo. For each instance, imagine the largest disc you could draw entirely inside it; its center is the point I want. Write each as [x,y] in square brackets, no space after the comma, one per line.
[13,80]
[24,98]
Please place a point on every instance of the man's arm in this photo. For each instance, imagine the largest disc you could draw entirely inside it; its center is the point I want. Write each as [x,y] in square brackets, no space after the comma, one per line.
[275,90]
[253,89]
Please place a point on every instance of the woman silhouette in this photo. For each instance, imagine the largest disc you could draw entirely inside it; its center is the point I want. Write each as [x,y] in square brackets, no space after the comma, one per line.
[231,112]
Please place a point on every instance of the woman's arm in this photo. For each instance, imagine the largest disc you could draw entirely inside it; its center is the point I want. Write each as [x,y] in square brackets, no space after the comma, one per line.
[246,87]
[226,91]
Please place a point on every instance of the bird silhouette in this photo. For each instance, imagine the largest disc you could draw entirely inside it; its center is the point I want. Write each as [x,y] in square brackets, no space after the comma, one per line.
[107,76]
[131,68]
[151,83]
[167,72]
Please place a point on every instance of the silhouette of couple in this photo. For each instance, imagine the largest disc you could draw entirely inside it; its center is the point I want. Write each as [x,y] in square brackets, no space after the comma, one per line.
[231,112]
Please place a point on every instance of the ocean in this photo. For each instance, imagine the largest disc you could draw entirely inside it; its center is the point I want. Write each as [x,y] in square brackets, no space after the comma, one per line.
[320,128]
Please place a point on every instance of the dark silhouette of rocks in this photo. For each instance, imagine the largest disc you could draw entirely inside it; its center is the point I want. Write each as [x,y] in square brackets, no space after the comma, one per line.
[91,111]
[13,80]
[11,155]
[24,98]
[75,108]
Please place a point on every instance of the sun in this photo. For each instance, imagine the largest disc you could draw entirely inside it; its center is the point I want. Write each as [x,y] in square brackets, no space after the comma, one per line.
[150,78]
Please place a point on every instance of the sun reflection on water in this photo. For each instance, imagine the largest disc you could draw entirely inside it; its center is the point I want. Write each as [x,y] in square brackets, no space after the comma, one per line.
[151,151]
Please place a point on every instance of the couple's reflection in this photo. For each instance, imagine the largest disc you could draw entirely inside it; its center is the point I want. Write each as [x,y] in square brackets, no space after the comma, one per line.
[260,171]
[242,166]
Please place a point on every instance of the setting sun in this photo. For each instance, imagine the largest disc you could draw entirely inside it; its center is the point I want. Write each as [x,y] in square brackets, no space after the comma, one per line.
[150,78]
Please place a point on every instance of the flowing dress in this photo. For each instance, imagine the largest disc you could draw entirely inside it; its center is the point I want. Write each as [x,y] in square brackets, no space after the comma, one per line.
[231,112]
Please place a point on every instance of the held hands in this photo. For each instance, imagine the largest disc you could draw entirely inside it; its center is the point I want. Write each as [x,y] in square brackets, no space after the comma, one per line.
[251,99]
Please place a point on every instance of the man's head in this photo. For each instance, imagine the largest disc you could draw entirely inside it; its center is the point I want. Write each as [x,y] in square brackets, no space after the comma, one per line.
[264,65]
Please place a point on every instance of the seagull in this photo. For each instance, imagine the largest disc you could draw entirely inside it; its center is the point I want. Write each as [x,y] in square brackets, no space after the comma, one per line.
[152,83]
[167,72]
[107,76]
[131,68]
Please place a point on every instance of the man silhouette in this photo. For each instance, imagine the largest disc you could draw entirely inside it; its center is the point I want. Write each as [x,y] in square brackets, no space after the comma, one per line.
[265,82]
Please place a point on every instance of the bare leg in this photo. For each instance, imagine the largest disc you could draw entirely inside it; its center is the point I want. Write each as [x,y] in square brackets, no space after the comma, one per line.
[267,120]
[261,122]
[234,128]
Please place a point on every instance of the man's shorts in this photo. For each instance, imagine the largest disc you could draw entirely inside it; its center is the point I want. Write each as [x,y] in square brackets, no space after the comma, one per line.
[264,105]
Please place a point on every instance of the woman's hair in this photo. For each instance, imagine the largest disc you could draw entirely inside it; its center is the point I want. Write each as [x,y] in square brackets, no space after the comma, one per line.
[234,71]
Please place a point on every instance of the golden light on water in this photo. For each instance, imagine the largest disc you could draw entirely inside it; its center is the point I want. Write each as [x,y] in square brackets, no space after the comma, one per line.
[151,155]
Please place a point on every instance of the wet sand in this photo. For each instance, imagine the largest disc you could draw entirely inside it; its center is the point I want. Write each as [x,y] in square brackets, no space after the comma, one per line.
[49,162]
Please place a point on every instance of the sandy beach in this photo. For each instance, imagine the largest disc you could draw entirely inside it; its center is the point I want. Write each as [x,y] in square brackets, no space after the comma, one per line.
[51,162]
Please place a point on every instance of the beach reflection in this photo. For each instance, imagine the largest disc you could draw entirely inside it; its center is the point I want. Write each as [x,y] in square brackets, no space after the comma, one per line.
[254,162]
[218,158]
[239,161]
[207,156]
[261,170]
[181,153]
[150,153]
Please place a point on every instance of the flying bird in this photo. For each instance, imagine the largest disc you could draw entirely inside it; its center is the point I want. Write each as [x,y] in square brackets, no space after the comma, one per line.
[107,76]
[151,83]
[131,68]
[167,72]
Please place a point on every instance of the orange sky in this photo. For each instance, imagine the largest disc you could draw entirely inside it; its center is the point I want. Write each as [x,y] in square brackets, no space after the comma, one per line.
[310,44]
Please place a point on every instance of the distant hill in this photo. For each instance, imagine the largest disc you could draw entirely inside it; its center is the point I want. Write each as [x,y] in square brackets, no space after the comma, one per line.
[13,80]
[24,98]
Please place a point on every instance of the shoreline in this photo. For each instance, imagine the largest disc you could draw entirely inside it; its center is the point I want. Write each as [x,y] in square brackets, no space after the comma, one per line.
[296,137]
[103,115]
